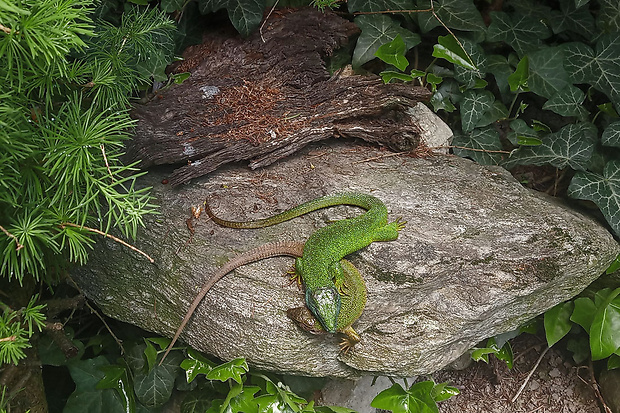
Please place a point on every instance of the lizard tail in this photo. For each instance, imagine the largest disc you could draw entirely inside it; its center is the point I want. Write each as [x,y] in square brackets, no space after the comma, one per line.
[347,198]
[273,249]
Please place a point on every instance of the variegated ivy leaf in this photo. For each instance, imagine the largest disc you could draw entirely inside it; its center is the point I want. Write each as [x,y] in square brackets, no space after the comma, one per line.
[245,15]
[522,32]
[521,134]
[379,5]
[611,135]
[604,191]
[568,102]
[210,6]
[601,68]
[468,76]
[579,3]
[457,14]
[571,146]
[547,75]
[377,30]
[609,16]
[497,111]
[572,18]
[481,145]
[499,67]
[473,107]
[535,9]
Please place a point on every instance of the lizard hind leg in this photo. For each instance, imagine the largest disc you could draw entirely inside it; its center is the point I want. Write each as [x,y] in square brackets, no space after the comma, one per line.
[350,339]
[389,232]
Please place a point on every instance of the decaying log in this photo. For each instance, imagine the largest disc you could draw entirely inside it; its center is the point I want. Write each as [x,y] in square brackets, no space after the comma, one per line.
[265,97]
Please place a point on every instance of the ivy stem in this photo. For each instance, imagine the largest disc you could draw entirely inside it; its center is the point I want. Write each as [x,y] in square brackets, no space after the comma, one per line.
[512,105]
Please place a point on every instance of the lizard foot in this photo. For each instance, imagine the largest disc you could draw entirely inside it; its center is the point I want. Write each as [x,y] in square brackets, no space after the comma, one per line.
[350,339]
[400,224]
[293,276]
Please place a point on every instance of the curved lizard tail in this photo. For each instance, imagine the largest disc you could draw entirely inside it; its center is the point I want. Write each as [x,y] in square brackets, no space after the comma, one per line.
[274,249]
[346,198]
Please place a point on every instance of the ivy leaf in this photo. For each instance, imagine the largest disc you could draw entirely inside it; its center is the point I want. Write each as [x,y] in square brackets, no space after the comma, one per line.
[446,95]
[117,377]
[523,33]
[537,10]
[388,75]
[378,30]
[86,397]
[211,6]
[605,329]
[611,135]
[614,266]
[557,322]
[497,112]
[379,5]
[579,3]
[448,48]
[484,141]
[155,387]
[505,354]
[547,75]
[393,53]
[572,18]
[600,68]
[457,14]
[498,66]
[572,146]
[518,79]
[583,313]
[609,16]
[604,191]
[568,102]
[170,6]
[443,392]
[521,134]
[196,364]
[245,15]
[230,370]
[398,400]
[613,362]
[473,107]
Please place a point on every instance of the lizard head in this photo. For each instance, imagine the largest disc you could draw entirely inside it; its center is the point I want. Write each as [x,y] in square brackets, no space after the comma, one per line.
[325,304]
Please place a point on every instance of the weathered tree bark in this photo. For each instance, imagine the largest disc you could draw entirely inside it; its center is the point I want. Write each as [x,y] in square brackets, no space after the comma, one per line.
[265,97]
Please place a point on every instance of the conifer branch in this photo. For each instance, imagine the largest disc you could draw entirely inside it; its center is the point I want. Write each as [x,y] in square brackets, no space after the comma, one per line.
[112,237]
[8,234]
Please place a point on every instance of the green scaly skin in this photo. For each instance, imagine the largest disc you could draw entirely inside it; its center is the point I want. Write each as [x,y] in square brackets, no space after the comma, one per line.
[353,303]
[319,266]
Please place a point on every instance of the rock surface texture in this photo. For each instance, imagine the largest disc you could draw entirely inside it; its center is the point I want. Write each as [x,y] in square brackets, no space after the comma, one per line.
[480,255]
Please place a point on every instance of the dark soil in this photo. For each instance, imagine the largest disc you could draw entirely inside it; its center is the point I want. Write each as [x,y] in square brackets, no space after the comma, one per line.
[556,386]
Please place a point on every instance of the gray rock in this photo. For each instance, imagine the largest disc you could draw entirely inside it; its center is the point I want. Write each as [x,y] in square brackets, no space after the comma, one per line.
[480,256]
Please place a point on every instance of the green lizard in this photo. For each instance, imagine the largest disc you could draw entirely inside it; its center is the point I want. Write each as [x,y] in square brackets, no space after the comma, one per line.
[319,266]
[353,302]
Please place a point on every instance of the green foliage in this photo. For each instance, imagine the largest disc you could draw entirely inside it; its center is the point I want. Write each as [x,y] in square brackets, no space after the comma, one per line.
[503,352]
[17,327]
[64,122]
[421,397]
[64,118]
[561,59]
[133,383]
[598,314]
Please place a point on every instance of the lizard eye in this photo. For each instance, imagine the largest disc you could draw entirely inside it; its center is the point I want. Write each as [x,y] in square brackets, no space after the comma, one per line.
[325,305]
